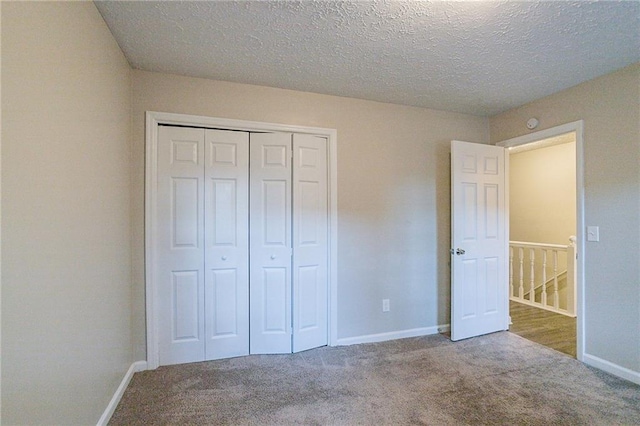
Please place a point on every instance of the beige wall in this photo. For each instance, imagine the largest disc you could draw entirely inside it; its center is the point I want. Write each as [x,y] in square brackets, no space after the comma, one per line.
[71,213]
[542,194]
[66,284]
[610,108]
[393,192]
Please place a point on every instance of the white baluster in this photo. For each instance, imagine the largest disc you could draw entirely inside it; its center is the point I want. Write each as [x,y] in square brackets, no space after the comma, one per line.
[543,297]
[532,260]
[521,259]
[511,271]
[556,298]
[549,298]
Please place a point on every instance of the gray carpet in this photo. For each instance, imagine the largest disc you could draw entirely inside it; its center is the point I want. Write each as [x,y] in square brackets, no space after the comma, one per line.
[495,379]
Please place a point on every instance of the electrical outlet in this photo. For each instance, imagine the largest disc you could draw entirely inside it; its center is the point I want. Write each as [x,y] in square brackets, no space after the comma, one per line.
[385,305]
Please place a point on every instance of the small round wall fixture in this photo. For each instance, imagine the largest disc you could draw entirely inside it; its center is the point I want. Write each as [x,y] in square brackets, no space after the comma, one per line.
[532,123]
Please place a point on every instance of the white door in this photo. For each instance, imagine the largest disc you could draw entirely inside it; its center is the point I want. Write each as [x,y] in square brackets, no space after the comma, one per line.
[225,262]
[479,241]
[226,209]
[180,273]
[270,243]
[310,290]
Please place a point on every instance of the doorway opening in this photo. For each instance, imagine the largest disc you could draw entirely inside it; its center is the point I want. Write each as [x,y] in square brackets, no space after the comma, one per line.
[545,223]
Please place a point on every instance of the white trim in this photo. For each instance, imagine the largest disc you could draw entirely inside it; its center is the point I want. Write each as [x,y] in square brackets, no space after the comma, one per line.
[117,396]
[507,230]
[540,306]
[392,335]
[578,128]
[153,119]
[1,228]
[333,238]
[150,226]
[542,134]
[609,367]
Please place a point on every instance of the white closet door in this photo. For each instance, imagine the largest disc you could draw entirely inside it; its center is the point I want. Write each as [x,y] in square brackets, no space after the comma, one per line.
[180,245]
[310,289]
[270,241]
[226,208]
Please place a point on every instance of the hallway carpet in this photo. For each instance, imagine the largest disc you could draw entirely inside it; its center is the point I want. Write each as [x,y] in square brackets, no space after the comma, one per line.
[495,379]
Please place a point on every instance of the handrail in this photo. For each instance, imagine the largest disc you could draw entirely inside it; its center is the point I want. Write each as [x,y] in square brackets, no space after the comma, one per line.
[541,245]
[549,281]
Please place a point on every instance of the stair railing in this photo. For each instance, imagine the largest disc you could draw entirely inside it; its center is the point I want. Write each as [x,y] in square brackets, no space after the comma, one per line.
[536,272]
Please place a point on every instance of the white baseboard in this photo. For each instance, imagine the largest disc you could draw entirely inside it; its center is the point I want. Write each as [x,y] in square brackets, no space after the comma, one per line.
[609,367]
[392,335]
[108,412]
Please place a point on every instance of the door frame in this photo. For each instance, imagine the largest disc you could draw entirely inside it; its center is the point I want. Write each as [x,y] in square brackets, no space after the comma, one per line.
[578,128]
[153,120]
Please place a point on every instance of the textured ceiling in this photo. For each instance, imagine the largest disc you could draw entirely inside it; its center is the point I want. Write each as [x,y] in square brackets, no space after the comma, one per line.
[473,57]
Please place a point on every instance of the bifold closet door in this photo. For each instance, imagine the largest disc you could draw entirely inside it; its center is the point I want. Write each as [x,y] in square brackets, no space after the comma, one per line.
[203,279]
[180,234]
[310,227]
[242,263]
[226,209]
[270,241]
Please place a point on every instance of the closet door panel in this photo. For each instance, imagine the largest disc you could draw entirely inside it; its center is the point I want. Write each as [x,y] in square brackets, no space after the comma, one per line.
[226,243]
[242,235]
[270,240]
[181,249]
[310,259]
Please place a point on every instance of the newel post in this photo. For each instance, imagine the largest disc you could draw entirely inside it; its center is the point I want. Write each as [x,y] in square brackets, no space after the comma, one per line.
[572,276]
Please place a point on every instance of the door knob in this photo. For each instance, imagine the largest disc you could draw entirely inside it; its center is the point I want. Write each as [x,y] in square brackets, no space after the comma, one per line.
[459,251]
[224,258]
[273,256]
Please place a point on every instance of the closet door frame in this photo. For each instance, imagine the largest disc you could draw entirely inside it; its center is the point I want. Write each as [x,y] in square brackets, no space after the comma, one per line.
[155,119]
